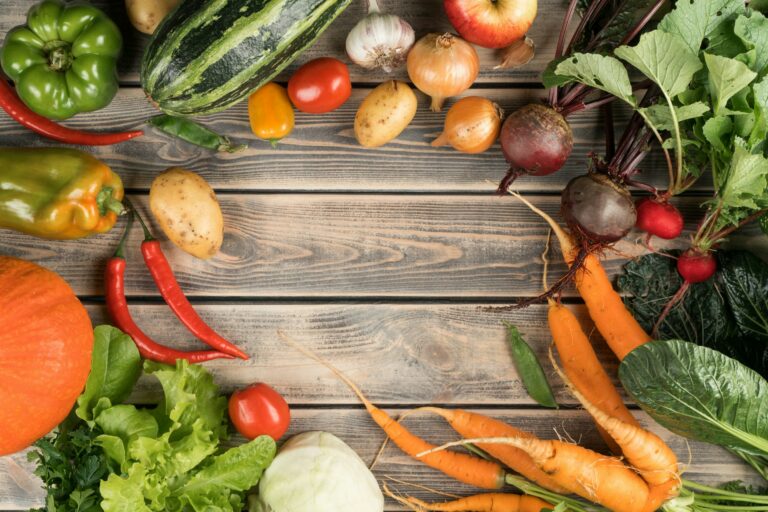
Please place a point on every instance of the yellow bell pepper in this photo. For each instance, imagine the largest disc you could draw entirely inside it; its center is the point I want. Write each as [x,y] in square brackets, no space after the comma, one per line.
[57,193]
[270,113]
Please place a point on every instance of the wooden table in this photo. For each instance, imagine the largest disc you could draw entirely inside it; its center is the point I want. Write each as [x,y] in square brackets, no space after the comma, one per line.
[381,261]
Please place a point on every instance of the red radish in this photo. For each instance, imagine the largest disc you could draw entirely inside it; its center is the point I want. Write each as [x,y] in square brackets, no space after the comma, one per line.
[597,209]
[491,23]
[696,266]
[535,140]
[659,218]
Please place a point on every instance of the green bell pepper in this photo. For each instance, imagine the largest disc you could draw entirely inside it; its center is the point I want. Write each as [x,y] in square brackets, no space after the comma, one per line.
[64,60]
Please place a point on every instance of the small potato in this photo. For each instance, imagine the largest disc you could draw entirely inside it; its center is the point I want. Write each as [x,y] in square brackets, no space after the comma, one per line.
[384,113]
[187,210]
[146,15]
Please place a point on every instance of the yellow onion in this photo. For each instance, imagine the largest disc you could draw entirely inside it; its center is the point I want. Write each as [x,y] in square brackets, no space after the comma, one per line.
[472,125]
[442,65]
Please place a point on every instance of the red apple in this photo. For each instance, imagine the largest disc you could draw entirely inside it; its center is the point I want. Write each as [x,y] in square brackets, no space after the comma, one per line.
[491,23]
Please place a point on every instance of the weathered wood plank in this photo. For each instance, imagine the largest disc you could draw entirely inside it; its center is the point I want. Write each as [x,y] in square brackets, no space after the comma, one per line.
[398,353]
[425,16]
[704,463]
[322,153]
[337,246]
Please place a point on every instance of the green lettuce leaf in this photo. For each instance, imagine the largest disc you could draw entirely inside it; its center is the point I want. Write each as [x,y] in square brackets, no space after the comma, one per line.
[699,393]
[598,71]
[664,58]
[237,469]
[115,368]
[124,494]
[727,77]
[694,21]
[189,395]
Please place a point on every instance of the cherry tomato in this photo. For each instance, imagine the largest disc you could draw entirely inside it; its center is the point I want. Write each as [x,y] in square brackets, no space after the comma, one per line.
[320,85]
[259,410]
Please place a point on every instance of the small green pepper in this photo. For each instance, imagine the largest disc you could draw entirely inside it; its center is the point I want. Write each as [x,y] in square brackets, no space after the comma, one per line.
[194,133]
[64,60]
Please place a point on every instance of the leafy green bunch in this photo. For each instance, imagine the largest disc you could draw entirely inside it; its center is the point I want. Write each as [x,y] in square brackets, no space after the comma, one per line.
[121,458]
[709,60]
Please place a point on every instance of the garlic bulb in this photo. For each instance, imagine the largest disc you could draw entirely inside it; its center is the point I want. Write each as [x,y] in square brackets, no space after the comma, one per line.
[380,40]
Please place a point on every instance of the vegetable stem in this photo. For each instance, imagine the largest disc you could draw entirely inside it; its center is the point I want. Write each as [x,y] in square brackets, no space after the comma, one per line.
[642,23]
[373,6]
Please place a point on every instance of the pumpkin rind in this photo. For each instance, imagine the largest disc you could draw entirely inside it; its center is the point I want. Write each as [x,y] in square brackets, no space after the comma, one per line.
[46,342]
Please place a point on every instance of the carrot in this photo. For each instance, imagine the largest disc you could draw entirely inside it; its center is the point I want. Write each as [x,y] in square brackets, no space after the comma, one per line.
[470,424]
[460,466]
[601,479]
[583,368]
[644,450]
[616,324]
[491,502]
[660,493]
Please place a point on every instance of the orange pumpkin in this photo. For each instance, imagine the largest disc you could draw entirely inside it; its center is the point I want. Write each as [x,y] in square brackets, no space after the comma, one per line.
[46,340]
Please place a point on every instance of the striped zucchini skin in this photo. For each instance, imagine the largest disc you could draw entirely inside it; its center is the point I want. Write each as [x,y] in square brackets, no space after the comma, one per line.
[209,54]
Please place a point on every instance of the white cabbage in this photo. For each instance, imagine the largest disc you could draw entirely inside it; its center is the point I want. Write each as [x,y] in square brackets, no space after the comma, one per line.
[317,472]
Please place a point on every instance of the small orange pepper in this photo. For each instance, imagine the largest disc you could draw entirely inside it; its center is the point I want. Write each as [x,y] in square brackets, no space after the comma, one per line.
[270,113]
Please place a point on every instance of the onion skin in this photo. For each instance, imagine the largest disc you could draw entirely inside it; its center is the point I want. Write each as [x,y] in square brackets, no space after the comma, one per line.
[696,266]
[472,125]
[441,66]
[596,208]
[536,139]
[491,24]
[659,218]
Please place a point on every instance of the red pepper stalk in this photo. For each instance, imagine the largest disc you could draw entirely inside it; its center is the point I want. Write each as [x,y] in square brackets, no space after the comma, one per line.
[12,104]
[173,295]
[117,306]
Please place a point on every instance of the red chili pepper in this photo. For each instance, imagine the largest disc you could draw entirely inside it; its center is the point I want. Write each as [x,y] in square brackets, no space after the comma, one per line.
[16,108]
[169,288]
[117,306]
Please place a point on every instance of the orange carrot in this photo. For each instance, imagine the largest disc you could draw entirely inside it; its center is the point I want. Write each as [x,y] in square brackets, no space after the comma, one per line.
[491,502]
[660,493]
[617,325]
[583,368]
[470,424]
[644,450]
[598,478]
[460,466]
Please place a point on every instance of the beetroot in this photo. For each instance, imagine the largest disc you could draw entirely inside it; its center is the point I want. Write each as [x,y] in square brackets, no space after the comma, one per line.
[659,218]
[696,266]
[535,140]
[598,209]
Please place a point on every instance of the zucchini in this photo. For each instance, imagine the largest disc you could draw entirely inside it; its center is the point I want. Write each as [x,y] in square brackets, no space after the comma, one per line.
[209,54]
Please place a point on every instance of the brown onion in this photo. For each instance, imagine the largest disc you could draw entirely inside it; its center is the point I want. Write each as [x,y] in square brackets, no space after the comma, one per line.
[442,65]
[472,125]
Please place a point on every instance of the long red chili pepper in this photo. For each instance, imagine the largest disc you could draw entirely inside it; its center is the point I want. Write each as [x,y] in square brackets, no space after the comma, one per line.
[15,108]
[170,290]
[117,306]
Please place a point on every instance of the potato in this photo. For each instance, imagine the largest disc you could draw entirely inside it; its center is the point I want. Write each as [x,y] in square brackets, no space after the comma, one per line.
[146,15]
[384,113]
[187,210]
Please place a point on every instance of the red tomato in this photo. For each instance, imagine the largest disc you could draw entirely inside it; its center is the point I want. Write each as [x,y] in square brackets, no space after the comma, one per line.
[259,410]
[320,85]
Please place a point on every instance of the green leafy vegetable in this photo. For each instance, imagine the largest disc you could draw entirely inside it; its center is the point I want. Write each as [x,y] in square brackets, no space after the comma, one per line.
[529,369]
[115,367]
[693,21]
[699,393]
[71,466]
[728,313]
[727,77]
[598,71]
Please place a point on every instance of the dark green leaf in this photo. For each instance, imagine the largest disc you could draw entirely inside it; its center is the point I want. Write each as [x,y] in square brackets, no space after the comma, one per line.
[529,369]
[745,279]
[699,393]
[115,367]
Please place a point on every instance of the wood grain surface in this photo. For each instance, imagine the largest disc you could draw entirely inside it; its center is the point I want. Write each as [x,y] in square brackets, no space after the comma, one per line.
[322,154]
[344,246]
